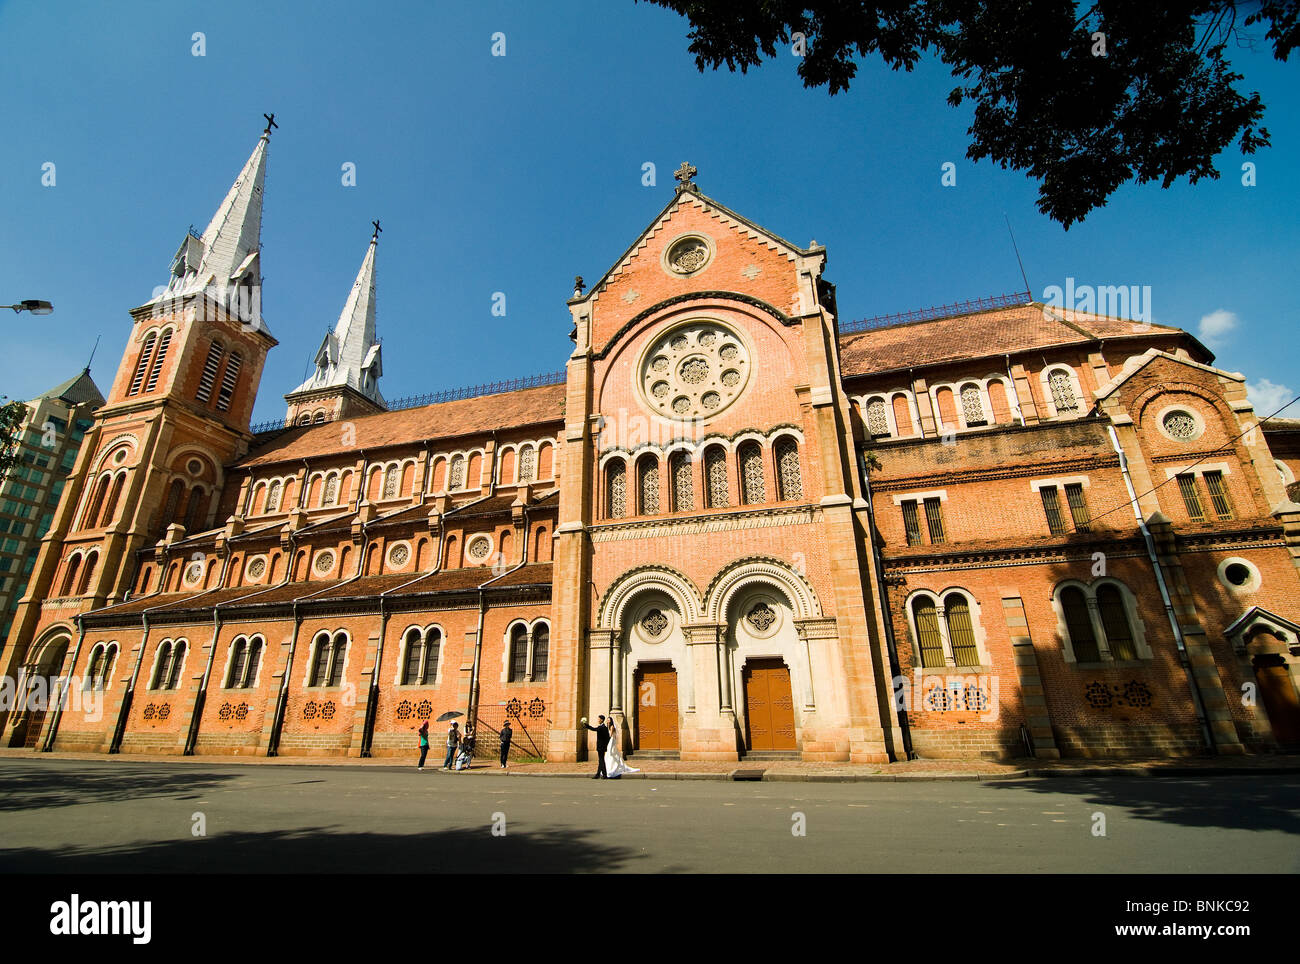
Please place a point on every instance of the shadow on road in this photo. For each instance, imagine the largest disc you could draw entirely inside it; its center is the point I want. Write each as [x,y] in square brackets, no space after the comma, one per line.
[324,850]
[1239,803]
[34,788]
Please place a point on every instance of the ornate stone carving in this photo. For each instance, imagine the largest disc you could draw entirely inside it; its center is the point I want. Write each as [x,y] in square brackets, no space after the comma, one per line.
[761,617]
[688,255]
[1180,425]
[654,623]
[695,371]
[324,562]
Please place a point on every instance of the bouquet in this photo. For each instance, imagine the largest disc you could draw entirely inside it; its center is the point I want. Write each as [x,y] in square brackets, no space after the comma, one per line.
[583,721]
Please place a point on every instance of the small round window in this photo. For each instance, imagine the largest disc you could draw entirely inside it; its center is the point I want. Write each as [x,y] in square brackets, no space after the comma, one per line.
[1180,425]
[1237,574]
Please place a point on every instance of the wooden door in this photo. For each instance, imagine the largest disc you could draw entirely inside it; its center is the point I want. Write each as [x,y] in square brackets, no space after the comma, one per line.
[656,707]
[1278,695]
[769,705]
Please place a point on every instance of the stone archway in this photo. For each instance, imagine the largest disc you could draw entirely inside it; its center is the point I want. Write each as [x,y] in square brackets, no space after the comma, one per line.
[1277,689]
[766,666]
[34,688]
[651,673]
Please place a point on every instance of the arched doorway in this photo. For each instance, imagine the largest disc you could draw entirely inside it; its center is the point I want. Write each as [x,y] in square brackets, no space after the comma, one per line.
[35,690]
[651,648]
[766,657]
[1277,690]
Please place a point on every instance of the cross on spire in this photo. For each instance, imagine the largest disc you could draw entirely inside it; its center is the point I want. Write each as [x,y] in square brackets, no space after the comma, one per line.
[684,175]
[375,237]
[270,122]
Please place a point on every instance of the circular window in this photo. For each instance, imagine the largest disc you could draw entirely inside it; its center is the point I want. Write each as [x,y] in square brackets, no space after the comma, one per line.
[694,371]
[479,548]
[194,467]
[1180,425]
[398,554]
[256,567]
[119,457]
[1239,575]
[687,255]
[324,562]
[193,573]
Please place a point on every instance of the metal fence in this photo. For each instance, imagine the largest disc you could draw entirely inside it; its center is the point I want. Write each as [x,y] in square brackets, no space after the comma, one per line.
[1015,300]
[529,721]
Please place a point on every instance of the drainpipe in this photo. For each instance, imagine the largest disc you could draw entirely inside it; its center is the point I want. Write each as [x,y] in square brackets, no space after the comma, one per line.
[891,645]
[1197,702]
[1015,392]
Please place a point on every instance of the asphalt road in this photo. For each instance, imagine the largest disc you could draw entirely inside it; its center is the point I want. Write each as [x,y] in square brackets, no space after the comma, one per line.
[66,816]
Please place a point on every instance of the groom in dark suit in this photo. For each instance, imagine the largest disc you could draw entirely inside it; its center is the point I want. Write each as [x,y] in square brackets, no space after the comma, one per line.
[602,743]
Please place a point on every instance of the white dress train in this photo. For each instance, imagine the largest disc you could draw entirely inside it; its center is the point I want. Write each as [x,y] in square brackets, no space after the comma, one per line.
[614,764]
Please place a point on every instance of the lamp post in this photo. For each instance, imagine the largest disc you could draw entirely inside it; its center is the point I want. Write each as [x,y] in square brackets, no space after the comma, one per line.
[32,305]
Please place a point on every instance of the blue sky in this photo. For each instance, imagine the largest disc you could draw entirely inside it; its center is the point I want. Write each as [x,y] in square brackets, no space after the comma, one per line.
[515,173]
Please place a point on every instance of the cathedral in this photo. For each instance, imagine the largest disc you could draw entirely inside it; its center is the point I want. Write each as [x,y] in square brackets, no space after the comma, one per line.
[736,523]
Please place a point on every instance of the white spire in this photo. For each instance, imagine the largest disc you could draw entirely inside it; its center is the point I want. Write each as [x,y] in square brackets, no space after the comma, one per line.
[350,356]
[226,257]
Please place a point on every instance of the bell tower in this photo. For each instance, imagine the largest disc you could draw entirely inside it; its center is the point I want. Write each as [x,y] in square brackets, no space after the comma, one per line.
[176,415]
[348,363]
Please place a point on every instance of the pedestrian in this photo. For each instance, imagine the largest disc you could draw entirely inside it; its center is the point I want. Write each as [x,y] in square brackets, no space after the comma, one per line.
[424,744]
[466,749]
[602,744]
[453,739]
[507,735]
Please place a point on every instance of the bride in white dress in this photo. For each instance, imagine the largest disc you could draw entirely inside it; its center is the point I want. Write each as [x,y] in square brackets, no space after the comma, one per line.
[614,765]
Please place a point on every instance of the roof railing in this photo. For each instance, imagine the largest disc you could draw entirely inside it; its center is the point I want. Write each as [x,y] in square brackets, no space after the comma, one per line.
[434,398]
[1014,300]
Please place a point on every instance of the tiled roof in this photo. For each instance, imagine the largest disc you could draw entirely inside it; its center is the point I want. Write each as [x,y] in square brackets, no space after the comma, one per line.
[984,333]
[466,416]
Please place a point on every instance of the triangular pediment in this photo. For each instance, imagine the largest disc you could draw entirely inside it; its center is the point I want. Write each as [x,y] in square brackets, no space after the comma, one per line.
[1152,356]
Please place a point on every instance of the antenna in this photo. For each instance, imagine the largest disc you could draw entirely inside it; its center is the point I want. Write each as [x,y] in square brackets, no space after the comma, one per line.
[1028,290]
[92,352]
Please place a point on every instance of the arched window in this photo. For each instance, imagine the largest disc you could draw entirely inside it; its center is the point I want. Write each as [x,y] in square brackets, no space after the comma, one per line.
[947,407]
[541,652]
[527,464]
[178,662]
[159,357]
[320,668]
[70,577]
[999,403]
[304,419]
[229,380]
[338,654]
[162,668]
[88,572]
[928,637]
[142,365]
[238,663]
[972,405]
[877,419]
[331,489]
[902,415]
[273,497]
[647,470]
[197,511]
[390,482]
[1061,386]
[208,378]
[753,490]
[1079,625]
[715,477]
[95,509]
[683,482]
[456,475]
[414,657]
[319,419]
[616,489]
[961,632]
[542,545]
[1114,620]
[110,505]
[518,654]
[254,661]
[99,669]
[453,554]
[432,650]
[174,493]
[787,469]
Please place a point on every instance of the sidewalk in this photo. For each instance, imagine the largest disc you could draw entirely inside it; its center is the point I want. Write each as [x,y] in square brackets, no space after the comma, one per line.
[794,771]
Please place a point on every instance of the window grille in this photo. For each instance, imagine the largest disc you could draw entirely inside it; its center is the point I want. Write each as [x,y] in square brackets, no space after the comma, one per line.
[972,405]
[1114,620]
[751,469]
[683,483]
[1078,507]
[616,496]
[1062,387]
[911,523]
[648,469]
[228,381]
[934,521]
[715,468]
[927,631]
[877,421]
[1218,495]
[159,357]
[1052,509]
[961,632]
[1191,498]
[209,377]
[788,473]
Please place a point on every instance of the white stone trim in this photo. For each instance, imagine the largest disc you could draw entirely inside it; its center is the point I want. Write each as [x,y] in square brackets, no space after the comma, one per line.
[920,497]
[1252,586]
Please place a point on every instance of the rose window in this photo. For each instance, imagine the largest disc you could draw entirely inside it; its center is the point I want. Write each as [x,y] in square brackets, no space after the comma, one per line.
[1180,425]
[398,555]
[479,549]
[257,568]
[654,622]
[688,255]
[695,371]
[193,572]
[324,562]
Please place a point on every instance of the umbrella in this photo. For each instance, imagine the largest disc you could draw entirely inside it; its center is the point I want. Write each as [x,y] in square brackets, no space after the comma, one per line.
[449,715]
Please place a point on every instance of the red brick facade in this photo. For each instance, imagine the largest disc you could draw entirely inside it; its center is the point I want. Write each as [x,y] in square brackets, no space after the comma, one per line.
[995,533]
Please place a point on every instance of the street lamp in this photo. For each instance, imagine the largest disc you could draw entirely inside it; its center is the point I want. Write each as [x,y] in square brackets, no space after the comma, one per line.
[32,305]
